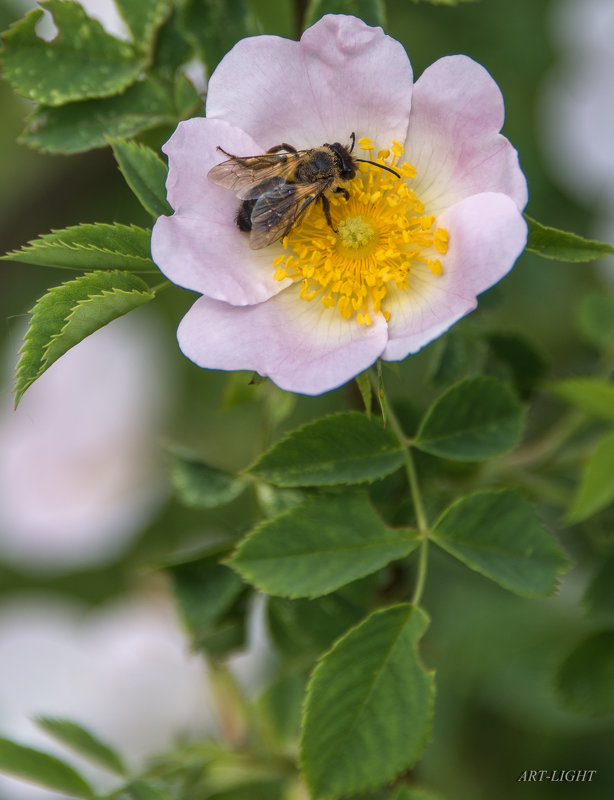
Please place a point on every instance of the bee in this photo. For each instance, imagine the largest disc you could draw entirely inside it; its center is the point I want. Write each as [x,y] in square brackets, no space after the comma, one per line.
[278,187]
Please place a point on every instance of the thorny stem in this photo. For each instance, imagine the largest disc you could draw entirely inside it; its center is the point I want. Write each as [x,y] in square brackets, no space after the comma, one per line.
[414,488]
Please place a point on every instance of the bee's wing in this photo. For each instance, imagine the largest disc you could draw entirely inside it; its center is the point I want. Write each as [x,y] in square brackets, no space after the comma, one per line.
[279,208]
[249,177]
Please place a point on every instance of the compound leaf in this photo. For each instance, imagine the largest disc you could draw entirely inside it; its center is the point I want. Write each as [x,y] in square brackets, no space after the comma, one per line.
[145,174]
[43,769]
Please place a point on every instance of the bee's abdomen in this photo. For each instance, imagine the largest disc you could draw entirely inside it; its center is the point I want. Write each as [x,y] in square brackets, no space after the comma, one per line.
[244,215]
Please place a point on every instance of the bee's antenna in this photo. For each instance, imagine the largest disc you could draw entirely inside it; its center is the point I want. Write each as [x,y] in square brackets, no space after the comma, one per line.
[353,138]
[375,164]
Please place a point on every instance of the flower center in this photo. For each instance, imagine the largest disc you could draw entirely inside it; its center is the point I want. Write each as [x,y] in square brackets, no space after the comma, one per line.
[381,235]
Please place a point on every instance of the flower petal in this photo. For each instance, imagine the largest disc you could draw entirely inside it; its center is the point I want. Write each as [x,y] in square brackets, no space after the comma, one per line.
[487,234]
[342,77]
[300,345]
[200,246]
[453,138]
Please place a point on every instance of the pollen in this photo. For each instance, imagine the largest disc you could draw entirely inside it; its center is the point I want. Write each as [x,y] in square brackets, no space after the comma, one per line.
[380,237]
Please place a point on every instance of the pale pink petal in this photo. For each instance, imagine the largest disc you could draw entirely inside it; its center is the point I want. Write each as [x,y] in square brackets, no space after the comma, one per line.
[487,234]
[200,246]
[300,345]
[453,138]
[342,77]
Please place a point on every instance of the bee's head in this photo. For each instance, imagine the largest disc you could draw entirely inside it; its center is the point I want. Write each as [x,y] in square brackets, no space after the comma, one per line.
[345,161]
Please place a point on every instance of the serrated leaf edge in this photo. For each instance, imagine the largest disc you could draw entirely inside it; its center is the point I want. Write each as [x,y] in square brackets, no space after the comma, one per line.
[301,428]
[430,673]
[565,562]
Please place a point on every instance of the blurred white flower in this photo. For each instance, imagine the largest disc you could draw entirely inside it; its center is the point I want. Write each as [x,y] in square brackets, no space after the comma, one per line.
[80,463]
[577,108]
[123,671]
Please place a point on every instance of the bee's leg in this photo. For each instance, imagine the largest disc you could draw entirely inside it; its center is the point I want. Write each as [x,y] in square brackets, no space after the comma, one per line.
[344,192]
[284,146]
[326,209]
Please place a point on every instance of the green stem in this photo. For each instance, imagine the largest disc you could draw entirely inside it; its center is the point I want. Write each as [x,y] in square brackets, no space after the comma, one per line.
[159,286]
[414,488]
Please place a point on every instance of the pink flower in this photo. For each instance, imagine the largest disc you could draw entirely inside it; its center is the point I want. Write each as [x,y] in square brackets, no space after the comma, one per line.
[409,255]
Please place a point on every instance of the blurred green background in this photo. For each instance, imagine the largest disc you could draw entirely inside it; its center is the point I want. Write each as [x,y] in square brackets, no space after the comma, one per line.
[495,654]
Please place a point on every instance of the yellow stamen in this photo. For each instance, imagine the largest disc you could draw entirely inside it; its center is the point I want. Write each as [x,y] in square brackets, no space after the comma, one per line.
[379,236]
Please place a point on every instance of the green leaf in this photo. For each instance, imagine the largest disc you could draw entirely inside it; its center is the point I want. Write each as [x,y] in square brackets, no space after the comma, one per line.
[83,742]
[85,247]
[77,127]
[211,30]
[43,769]
[281,705]
[475,419]
[595,319]
[302,629]
[524,362]
[594,396]
[341,448]
[68,313]
[82,61]
[596,489]
[599,597]
[457,356]
[199,485]
[563,246]
[140,790]
[143,17]
[584,680]
[205,591]
[414,793]
[498,534]
[373,12]
[314,548]
[145,174]
[369,705]
[364,386]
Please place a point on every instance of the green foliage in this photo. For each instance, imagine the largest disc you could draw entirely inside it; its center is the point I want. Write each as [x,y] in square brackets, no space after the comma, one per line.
[563,246]
[82,742]
[596,490]
[593,396]
[281,706]
[414,793]
[87,247]
[76,127]
[82,61]
[499,535]
[369,705]
[599,596]
[143,18]
[145,174]
[522,361]
[199,485]
[595,320]
[206,592]
[43,769]
[140,790]
[342,448]
[68,313]
[211,30]
[316,547]
[457,356]
[475,419]
[584,679]
[373,12]
[302,629]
